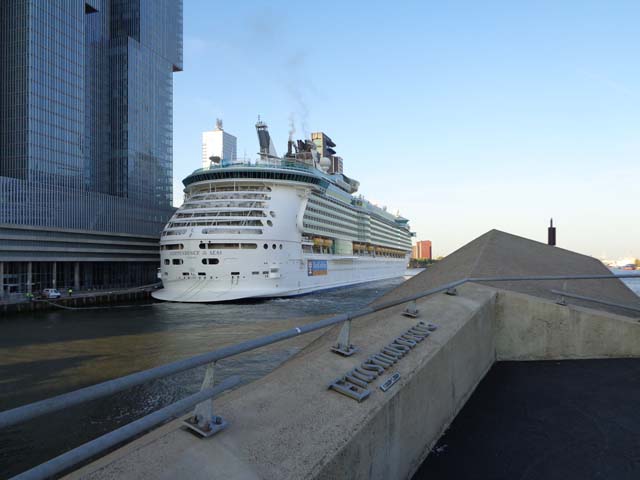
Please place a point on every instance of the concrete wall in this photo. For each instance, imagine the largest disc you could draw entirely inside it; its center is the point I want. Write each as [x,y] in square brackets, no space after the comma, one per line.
[531,328]
[394,441]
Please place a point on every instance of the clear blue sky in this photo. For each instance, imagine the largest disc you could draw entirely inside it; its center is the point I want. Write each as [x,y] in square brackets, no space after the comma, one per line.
[464,116]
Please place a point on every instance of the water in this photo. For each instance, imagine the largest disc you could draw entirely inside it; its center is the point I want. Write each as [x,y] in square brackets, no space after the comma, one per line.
[48,353]
[632,283]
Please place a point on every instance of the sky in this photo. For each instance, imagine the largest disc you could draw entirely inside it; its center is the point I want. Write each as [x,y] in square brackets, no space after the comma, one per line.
[462,116]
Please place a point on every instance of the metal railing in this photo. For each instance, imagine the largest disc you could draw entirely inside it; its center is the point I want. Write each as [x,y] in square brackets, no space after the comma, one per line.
[564,295]
[90,449]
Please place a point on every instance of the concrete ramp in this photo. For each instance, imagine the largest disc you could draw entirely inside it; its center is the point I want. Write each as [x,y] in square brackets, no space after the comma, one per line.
[498,253]
[289,425]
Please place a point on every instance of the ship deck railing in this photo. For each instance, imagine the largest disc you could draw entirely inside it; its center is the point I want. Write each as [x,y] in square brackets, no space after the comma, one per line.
[204,398]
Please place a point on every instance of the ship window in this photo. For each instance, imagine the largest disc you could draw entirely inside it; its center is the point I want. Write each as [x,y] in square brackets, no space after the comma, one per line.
[166,261]
[210,261]
[218,246]
[202,246]
[235,273]
[186,274]
[266,246]
[172,246]
[273,246]
[272,213]
[270,223]
[255,273]
[202,274]
[249,246]
[178,261]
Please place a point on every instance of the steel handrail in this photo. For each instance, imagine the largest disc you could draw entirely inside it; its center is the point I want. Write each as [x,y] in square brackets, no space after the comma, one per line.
[87,450]
[113,438]
[109,387]
[595,300]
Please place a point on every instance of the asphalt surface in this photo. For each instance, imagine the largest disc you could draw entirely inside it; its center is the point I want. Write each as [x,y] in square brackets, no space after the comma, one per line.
[577,419]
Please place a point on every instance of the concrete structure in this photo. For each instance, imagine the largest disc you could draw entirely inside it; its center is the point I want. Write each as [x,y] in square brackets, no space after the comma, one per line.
[218,143]
[288,425]
[422,250]
[85,139]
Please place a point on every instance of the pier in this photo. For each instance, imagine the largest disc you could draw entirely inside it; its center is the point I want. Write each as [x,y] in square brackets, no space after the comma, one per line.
[433,340]
[77,300]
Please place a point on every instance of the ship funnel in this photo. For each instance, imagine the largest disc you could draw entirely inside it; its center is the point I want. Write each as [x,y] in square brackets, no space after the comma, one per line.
[267,150]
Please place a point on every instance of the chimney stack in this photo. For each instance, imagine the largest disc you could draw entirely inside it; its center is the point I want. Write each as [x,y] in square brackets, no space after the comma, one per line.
[552,234]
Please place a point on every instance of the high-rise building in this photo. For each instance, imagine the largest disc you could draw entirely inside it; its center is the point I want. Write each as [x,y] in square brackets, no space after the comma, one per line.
[218,144]
[86,99]
[422,250]
[325,147]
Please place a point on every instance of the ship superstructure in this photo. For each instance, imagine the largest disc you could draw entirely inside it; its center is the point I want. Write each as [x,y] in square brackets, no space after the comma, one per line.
[277,226]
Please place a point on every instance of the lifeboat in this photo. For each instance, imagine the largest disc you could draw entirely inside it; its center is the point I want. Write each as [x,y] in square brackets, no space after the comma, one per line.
[328,243]
[317,242]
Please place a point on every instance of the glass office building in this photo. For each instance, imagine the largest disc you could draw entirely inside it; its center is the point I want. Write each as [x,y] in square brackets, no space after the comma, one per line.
[85,140]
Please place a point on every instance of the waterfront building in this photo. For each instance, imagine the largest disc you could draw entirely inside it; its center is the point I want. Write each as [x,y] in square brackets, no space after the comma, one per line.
[85,140]
[422,250]
[218,144]
[325,147]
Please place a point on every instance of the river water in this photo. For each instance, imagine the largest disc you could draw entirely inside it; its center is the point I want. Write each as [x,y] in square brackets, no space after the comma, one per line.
[49,353]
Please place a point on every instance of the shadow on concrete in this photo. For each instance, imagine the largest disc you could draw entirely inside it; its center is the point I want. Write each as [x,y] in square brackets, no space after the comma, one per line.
[553,420]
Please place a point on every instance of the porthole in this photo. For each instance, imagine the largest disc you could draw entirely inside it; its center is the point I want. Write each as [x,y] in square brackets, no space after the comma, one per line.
[273,246]
[270,223]
[272,213]
[266,246]
[166,261]
[202,246]
[280,246]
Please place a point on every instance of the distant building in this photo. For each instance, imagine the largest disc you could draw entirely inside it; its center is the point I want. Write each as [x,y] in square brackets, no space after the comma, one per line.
[336,165]
[86,136]
[218,143]
[325,147]
[422,250]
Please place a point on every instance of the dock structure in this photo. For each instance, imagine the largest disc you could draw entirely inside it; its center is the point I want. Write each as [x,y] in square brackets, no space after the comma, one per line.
[409,375]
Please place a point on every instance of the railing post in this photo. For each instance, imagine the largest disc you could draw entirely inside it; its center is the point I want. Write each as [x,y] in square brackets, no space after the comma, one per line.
[204,422]
[343,346]
[411,310]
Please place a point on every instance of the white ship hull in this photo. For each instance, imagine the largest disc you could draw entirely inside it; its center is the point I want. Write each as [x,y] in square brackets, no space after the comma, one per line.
[292,278]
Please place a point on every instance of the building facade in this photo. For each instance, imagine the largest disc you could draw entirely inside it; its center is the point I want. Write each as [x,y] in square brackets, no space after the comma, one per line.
[86,99]
[422,250]
[218,143]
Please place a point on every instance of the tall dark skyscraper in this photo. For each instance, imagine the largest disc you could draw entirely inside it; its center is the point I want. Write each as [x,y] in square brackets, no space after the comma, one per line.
[86,94]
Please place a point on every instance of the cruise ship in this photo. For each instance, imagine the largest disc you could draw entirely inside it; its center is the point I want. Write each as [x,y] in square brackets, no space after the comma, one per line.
[277,227]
